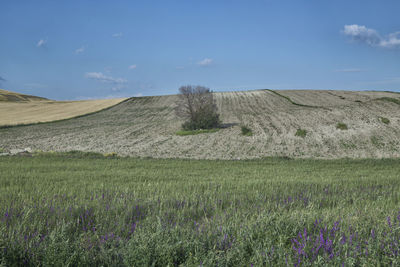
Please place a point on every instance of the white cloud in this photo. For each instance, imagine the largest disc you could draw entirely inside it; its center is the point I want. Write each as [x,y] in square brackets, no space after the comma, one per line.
[371,37]
[131,67]
[103,78]
[138,95]
[206,62]
[80,50]
[117,35]
[41,43]
[349,70]
[392,41]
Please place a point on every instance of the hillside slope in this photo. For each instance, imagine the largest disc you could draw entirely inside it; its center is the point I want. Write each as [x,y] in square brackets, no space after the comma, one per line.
[17,108]
[146,127]
[8,96]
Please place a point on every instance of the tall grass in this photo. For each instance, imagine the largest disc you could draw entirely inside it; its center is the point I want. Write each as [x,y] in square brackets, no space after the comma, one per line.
[78,209]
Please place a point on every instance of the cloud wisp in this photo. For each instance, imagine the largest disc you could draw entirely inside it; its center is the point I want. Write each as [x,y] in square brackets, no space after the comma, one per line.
[205,62]
[371,37]
[80,50]
[132,67]
[41,43]
[98,76]
[117,35]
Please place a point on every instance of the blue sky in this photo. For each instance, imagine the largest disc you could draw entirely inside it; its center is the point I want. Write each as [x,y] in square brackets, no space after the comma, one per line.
[97,49]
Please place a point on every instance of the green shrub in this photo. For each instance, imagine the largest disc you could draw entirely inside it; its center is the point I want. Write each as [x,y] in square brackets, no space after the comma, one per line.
[301,133]
[384,120]
[203,120]
[341,126]
[246,131]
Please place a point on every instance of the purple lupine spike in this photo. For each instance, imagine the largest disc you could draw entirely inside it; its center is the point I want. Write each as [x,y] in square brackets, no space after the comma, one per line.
[321,237]
[305,234]
[373,233]
[389,221]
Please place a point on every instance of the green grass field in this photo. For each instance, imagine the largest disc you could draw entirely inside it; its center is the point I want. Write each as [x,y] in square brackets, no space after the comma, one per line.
[86,209]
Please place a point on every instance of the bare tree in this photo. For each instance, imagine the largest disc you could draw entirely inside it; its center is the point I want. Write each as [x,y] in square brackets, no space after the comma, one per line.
[196,105]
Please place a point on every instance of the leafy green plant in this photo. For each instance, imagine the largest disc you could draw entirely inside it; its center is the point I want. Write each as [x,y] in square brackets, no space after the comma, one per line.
[384,120]
[246,131]
[341,126]
[301,133]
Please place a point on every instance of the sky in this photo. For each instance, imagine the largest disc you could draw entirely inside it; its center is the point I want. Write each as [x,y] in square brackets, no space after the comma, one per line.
[69,50]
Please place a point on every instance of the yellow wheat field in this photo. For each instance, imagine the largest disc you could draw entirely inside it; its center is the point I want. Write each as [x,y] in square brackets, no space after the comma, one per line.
[42,110]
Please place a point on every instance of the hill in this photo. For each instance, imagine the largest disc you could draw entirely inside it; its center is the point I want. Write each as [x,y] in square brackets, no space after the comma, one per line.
[18,108]
[8,96]
[335,124]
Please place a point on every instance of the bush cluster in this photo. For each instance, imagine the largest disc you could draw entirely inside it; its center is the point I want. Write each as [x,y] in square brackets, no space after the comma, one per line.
[204,119]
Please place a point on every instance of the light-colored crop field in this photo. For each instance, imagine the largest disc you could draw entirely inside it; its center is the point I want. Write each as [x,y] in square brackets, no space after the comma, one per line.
[147,127]
[21,109]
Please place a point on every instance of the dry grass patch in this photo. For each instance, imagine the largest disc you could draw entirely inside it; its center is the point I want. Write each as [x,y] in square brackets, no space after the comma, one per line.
[15,113]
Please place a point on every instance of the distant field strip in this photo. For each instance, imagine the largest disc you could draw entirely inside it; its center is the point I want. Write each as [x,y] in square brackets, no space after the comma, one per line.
[13,113]
[147,127]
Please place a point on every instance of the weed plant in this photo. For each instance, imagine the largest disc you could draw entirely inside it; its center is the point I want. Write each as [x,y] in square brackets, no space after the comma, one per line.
[384,120]
[341,126]
[246,131]
[301,133]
